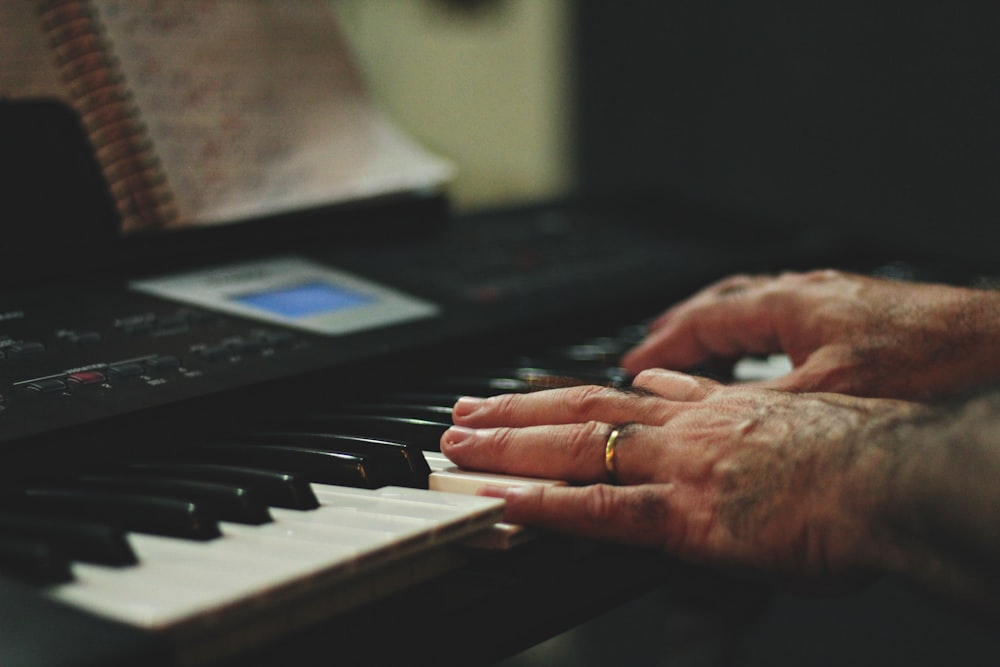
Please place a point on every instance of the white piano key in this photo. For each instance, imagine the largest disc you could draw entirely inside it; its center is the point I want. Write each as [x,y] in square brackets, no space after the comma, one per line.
[459,502]
[446,511]
[258,551]
[129,598]
[322,530]
[437,461]
[176,582]
[446,477]
[407,502]
[755,369]
[456,480]
[354,530]
[179,581]
[366,533]
[500,536]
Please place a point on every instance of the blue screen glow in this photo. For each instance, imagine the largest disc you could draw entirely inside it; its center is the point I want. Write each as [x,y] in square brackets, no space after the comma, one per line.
[304,300]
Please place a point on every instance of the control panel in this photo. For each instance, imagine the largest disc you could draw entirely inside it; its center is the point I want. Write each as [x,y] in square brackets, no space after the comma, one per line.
[75,355]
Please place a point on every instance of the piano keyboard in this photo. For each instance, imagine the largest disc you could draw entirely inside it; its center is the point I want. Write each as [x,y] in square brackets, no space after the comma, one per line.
[351,533]
[204,537]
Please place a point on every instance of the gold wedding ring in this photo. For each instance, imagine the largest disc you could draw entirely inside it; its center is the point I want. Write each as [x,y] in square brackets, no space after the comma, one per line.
[609,454]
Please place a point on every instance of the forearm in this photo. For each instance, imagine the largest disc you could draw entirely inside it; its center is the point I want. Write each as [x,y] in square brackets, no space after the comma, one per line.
[943,502]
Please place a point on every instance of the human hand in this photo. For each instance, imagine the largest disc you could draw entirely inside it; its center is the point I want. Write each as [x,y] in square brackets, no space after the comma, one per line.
[843,332]
[733,476]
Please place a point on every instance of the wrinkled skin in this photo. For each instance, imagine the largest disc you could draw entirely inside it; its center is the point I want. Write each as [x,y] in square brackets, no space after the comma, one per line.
[741,477]
[818,477]
[844,333]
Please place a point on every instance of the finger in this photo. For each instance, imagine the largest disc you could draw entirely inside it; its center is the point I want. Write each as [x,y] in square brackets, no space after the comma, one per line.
[725,325]
[726,286]
[824,370]
[675,386]
[637,515]
[559,406]
[571,452]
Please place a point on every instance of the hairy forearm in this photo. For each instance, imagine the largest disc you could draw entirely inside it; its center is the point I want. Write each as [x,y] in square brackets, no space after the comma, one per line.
[943,501]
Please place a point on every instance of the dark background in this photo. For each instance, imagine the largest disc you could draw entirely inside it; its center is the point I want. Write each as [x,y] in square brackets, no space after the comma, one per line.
[873,122]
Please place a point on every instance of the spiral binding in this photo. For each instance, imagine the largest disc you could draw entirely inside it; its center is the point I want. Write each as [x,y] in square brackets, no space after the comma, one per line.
[101,96]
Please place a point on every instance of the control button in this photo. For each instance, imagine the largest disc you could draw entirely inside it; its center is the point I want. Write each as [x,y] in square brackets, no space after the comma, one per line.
[172,321]
[26,348]
[276,339]
[165,362]
[137,328]
[214,352]
[127,369]
[86,338]
[46,386]
[241,346]
[86,377]
[171,326]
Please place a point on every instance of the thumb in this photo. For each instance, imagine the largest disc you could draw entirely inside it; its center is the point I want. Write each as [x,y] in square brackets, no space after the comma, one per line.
[823,370]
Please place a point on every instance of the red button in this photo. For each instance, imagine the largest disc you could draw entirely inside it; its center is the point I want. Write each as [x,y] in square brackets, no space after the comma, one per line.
[86,377]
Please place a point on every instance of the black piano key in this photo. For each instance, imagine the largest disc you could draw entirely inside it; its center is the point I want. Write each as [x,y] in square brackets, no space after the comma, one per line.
[33,561]
[426,411]
[446,399]
[400,464]
[132,511]
[601,350]
[543,376]
[226,502]
[490,382]
[596,371]
[479,385]
[422,433]
[316,465]
[80,540]
[277,489]
[633,334]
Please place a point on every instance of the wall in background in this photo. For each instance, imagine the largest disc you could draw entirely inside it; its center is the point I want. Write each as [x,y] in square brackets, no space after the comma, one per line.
[486,84]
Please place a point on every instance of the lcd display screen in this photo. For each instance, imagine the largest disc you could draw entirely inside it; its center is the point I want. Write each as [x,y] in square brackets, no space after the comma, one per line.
[304,300]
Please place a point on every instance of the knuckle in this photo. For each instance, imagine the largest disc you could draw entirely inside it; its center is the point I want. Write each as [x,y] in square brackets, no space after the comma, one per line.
[821,275]
[646,377]
[728,287]
[502,441]
[735,279]
[603,503]
[585,398]
[643,512]
[793,276]
[580,441]
[504,404]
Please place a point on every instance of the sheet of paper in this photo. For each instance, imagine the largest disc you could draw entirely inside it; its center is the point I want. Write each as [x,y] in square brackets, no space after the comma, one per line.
[27,67]
[254,107]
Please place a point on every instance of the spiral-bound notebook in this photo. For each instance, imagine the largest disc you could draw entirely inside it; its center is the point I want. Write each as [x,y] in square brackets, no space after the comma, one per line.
[211,111]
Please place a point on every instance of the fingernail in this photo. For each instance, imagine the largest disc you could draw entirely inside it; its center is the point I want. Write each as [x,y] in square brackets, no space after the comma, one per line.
[506,491]
[493,491]
[662,372]
[457,436]
[465,406]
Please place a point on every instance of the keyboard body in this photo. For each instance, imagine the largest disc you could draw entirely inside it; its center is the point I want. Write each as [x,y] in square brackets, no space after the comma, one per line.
[94,374]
